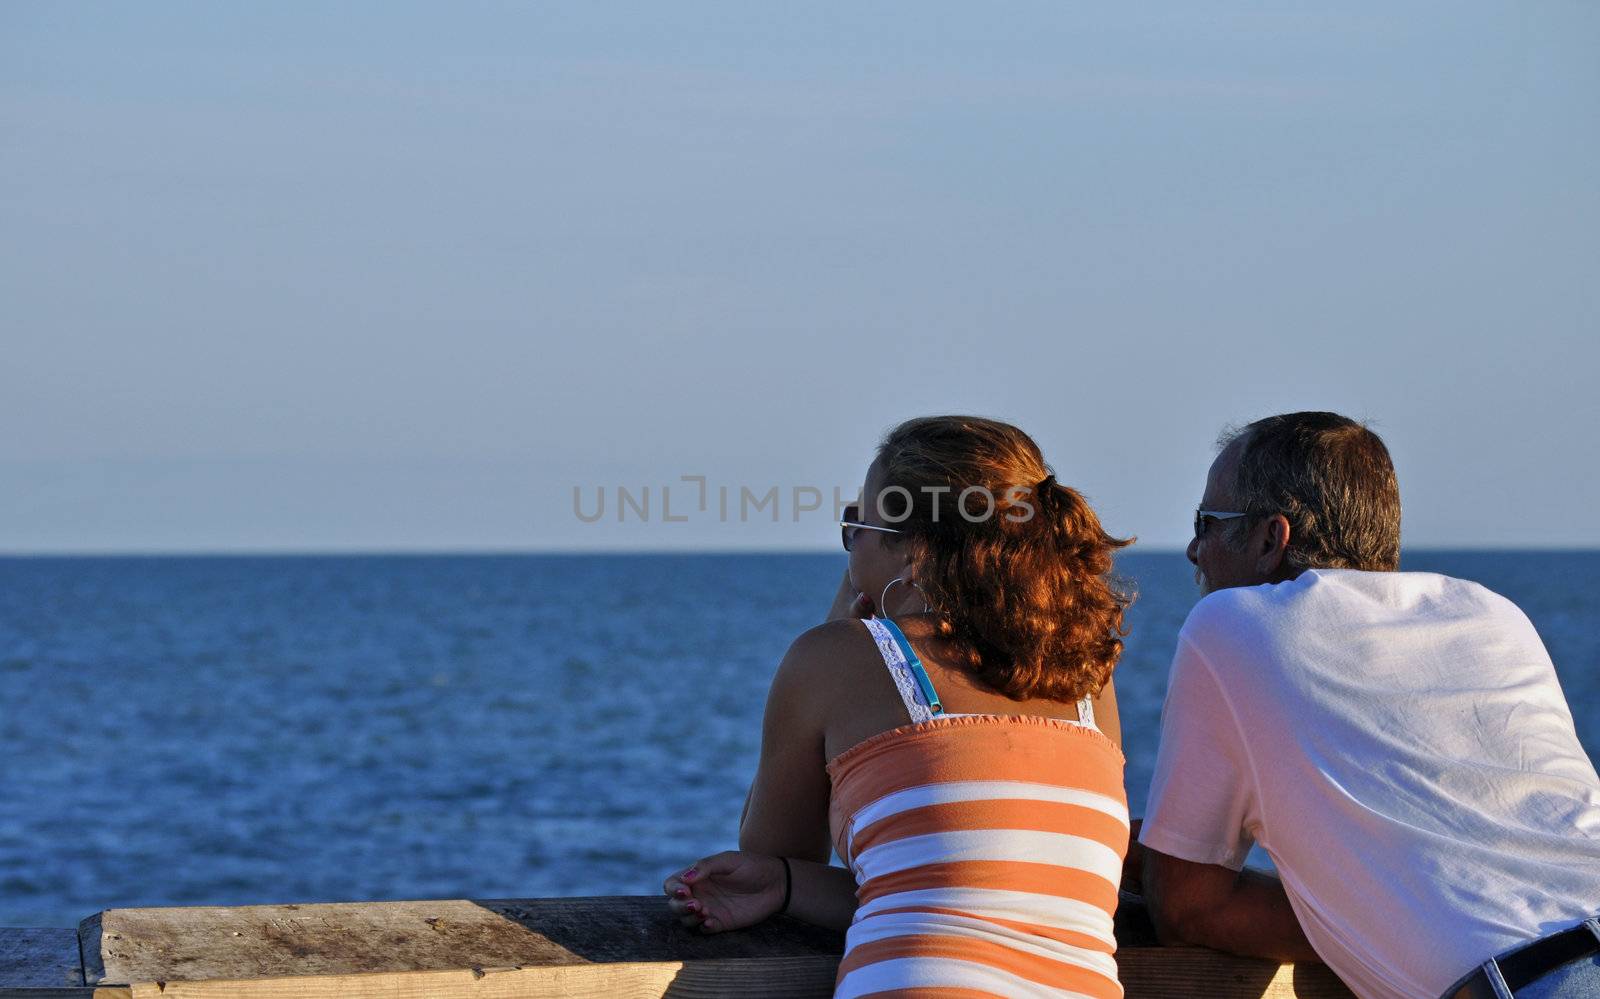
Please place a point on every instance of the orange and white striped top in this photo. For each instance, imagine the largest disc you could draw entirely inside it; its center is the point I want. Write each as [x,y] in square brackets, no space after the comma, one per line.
[987,850]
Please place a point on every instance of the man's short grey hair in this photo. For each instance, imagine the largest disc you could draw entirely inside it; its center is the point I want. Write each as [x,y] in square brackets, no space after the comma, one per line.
[1330,477]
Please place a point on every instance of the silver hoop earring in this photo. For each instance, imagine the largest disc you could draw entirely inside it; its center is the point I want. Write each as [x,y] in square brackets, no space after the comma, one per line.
[884,596]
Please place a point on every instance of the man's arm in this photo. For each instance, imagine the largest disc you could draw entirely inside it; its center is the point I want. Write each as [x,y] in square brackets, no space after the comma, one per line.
[1202,806]
[1208,905]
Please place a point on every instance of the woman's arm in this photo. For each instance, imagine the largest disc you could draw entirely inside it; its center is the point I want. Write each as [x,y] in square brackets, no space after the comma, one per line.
[823,895]
[847,603]
[786,814]
[732,890]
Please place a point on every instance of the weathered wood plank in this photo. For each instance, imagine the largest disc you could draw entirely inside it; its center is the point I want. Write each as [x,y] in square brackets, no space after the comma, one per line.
[260,941]
[639,929]
[1160,972]
[89,950]
[263,941]
[778,978]
[558,947]
[1147,973]
[39,958]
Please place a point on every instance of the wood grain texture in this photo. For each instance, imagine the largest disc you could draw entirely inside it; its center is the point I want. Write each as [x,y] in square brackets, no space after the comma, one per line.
[1147,973]
[203,943]
[1158,972]
[575,947]
[779,978]
[90,950]
[39,958]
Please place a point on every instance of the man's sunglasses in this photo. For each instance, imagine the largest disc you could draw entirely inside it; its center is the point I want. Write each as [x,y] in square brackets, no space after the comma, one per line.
[1204,518]
[852,523]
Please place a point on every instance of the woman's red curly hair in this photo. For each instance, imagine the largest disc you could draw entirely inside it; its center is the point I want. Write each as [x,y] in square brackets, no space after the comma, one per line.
[1026,592]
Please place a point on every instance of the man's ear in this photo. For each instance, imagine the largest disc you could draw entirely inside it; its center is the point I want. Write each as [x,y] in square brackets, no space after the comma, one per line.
[1274,545]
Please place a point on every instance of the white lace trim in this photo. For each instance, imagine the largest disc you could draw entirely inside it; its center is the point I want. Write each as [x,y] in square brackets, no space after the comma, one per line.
[900,671]
[911,693]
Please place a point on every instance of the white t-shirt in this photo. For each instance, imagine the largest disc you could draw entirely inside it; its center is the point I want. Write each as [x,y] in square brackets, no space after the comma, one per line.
[1400,746]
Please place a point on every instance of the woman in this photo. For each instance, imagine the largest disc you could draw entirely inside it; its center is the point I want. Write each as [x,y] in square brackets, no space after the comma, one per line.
[984,839]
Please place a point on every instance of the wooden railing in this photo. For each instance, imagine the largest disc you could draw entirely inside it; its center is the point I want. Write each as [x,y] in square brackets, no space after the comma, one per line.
[574,948]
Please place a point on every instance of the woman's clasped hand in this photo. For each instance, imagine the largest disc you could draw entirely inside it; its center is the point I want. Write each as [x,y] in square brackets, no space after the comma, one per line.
[726,891]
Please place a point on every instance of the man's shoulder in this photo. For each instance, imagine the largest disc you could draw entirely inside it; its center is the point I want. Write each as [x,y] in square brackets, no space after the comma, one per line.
[1334,598]
[1321,586]
[1230,610]
[1420,595]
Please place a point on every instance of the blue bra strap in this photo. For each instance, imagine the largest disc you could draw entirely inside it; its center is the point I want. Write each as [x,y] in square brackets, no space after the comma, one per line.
[915,665]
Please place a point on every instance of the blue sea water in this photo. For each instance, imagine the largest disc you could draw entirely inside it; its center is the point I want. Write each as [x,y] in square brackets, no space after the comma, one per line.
[182,731]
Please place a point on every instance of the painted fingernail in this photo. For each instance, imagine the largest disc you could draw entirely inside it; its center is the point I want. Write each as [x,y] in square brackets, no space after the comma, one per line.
[690,874]
[680,891]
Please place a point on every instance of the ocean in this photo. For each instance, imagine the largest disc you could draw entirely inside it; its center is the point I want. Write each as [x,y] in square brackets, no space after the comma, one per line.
[237,730]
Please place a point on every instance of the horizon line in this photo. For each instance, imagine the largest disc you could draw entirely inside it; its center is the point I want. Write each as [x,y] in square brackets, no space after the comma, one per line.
[514,552]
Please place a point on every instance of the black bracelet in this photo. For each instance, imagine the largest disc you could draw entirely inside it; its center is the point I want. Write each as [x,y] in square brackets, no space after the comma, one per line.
[788,883]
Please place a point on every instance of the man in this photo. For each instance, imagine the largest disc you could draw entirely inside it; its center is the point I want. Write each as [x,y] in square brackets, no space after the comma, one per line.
[1397,742]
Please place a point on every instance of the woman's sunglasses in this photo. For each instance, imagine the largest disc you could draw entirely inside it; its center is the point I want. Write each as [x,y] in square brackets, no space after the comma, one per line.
[852,523]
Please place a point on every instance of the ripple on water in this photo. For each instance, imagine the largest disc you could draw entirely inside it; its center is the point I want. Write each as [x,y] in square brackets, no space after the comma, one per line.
[235,730]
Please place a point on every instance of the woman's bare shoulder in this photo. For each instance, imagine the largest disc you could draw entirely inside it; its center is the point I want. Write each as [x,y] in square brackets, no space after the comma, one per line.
[830,645]
[821,664]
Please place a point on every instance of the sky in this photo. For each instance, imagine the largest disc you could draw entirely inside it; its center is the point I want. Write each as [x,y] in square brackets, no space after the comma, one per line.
[394,276]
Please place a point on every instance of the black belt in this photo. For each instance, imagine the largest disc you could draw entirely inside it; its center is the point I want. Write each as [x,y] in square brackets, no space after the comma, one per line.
[1500,977]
